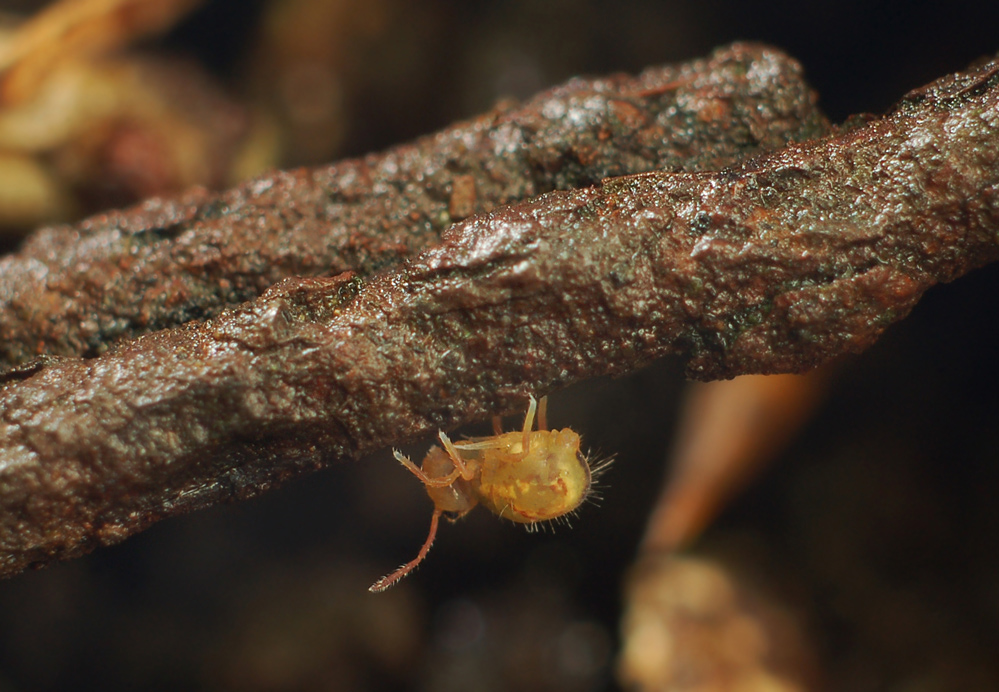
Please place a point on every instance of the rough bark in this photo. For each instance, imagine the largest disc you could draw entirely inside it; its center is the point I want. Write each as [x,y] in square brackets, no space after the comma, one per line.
[74,290]
[777,265]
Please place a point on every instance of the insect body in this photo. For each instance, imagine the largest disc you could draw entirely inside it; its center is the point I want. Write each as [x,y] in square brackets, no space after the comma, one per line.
[525,476]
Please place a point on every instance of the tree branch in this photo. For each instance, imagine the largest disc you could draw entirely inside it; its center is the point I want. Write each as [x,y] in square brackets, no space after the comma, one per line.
[75,290]
[776,265]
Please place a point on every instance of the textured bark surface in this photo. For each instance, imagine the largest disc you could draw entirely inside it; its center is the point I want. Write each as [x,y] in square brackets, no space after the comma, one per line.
[74,290]
[777,265]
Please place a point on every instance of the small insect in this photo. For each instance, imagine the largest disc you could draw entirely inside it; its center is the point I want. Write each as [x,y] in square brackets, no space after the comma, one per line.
[527,476]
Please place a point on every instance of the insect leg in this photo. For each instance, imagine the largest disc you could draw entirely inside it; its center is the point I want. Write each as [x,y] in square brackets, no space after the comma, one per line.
[441,482]
[390,579]
[529,422]
[459,464]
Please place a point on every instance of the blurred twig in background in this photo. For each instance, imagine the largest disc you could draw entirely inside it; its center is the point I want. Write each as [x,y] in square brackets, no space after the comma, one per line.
[85,126]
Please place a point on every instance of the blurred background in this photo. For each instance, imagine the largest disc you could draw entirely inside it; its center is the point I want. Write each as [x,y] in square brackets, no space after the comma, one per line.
[865,556]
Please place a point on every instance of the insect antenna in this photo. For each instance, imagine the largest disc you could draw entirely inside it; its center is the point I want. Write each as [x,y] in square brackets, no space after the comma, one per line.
[390,579]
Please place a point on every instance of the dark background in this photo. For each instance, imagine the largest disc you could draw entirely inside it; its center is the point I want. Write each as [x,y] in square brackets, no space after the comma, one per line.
[882,514]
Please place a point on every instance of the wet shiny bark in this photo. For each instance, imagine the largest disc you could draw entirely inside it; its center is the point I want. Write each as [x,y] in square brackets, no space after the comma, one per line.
[776,265]
[75,290]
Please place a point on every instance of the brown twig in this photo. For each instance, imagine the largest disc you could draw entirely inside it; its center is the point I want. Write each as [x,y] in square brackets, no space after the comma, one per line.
[75,290]
[775,266]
